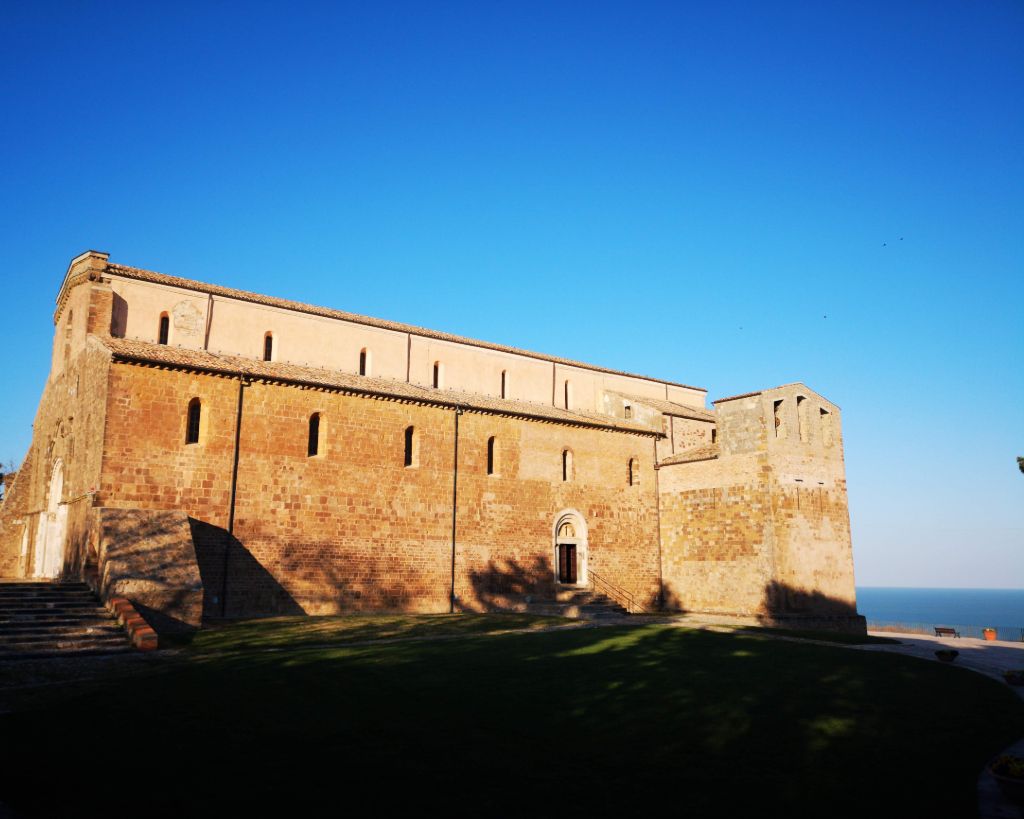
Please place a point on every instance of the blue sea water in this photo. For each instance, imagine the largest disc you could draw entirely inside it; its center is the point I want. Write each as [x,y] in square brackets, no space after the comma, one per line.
[973,609]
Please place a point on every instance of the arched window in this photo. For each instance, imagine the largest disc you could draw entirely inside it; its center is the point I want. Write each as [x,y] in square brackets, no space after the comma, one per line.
[568,394]
[566,464]
[492,456]
[801,417]
[194,422]
[268,347]
[165,329]
[364,361]
[313,447]
[411,447]
[634,474]
[504,383]
[438,375]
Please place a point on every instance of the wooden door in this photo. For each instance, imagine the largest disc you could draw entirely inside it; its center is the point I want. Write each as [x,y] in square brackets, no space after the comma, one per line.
[566,562]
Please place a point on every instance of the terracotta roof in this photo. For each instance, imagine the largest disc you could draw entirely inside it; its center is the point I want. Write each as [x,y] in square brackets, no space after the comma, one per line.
[669,407]
[709,452]
[270,301]
[181,358]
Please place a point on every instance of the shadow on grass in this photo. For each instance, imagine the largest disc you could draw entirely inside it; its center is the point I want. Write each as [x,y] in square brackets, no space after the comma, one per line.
[612,718]
[825,636]
[292,632]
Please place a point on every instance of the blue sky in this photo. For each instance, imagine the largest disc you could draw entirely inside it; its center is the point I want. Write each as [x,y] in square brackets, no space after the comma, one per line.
[725,194]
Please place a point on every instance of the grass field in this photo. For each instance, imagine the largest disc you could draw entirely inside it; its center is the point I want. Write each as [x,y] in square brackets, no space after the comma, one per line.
[632,719]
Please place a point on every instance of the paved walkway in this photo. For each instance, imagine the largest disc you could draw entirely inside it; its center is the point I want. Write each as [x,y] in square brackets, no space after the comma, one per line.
[988,657]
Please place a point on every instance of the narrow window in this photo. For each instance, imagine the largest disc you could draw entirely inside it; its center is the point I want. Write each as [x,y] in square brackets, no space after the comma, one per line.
[313,448]
[491,456]
[801,420]
[714,435]
[438,375]
[634,477]
[780,427]
[364,361]
[627,411]
[165,328]
[195,410]
[826,427]
[504,383]
[410,446]
[268,347]
[568,394]
[67,337]
[566,464]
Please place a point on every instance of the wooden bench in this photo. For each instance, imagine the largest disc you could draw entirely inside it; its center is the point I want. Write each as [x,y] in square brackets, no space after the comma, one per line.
[940,631]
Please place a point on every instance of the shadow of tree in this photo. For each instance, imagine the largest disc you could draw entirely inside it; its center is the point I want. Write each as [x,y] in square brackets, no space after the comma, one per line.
[509,584]
[606,718]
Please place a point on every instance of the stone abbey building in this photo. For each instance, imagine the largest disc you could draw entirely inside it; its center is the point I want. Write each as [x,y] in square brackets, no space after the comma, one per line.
[209,452]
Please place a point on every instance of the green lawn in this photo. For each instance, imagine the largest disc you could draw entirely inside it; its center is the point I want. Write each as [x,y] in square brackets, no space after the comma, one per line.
[631,719]
[288,632]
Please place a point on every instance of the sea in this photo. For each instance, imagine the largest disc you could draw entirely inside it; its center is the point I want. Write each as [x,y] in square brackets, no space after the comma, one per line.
[967,610]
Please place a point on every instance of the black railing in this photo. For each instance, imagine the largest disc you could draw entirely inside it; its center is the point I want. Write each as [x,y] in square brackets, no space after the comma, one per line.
[1013,634]
[623,597]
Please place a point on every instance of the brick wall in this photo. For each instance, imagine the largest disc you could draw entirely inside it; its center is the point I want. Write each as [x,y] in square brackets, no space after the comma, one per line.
[353,527]
[506,537]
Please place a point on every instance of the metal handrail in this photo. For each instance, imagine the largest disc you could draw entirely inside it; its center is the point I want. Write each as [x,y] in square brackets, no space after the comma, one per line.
[623,597]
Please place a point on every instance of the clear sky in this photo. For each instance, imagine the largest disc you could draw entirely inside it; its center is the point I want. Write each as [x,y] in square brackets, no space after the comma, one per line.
[732,195]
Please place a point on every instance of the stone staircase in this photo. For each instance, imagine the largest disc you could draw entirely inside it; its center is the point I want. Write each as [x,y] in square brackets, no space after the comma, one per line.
[584,604]
[53,619]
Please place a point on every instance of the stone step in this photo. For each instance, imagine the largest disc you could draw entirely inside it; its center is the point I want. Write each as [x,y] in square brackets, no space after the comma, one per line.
[21,635]
[46,653]
[47,603]
[42,644]
[42,584]
[55,620]
[573,610]
[52,615]
[32,623]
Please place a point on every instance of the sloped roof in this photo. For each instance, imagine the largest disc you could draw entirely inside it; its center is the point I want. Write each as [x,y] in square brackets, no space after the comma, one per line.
[773,389]
[708,452]
[270,301]
[669,407]
[181,358]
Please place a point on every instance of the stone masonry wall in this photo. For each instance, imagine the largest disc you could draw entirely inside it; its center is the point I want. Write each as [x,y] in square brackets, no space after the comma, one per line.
[353,528]
[764,528]
[68,429]
[717,540]
[506,524]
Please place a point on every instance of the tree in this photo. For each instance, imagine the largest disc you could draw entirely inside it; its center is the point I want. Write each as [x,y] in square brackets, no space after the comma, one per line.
[1020,463]
[6,467]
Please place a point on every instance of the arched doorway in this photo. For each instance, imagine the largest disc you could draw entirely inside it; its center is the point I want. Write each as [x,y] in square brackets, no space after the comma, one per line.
[570,549]
[52,528]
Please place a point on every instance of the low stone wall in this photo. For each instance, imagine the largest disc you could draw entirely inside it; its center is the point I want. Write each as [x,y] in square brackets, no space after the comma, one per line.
[148,557]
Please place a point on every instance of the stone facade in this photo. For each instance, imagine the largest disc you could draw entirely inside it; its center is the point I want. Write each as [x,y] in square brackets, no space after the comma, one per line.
[208,452]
